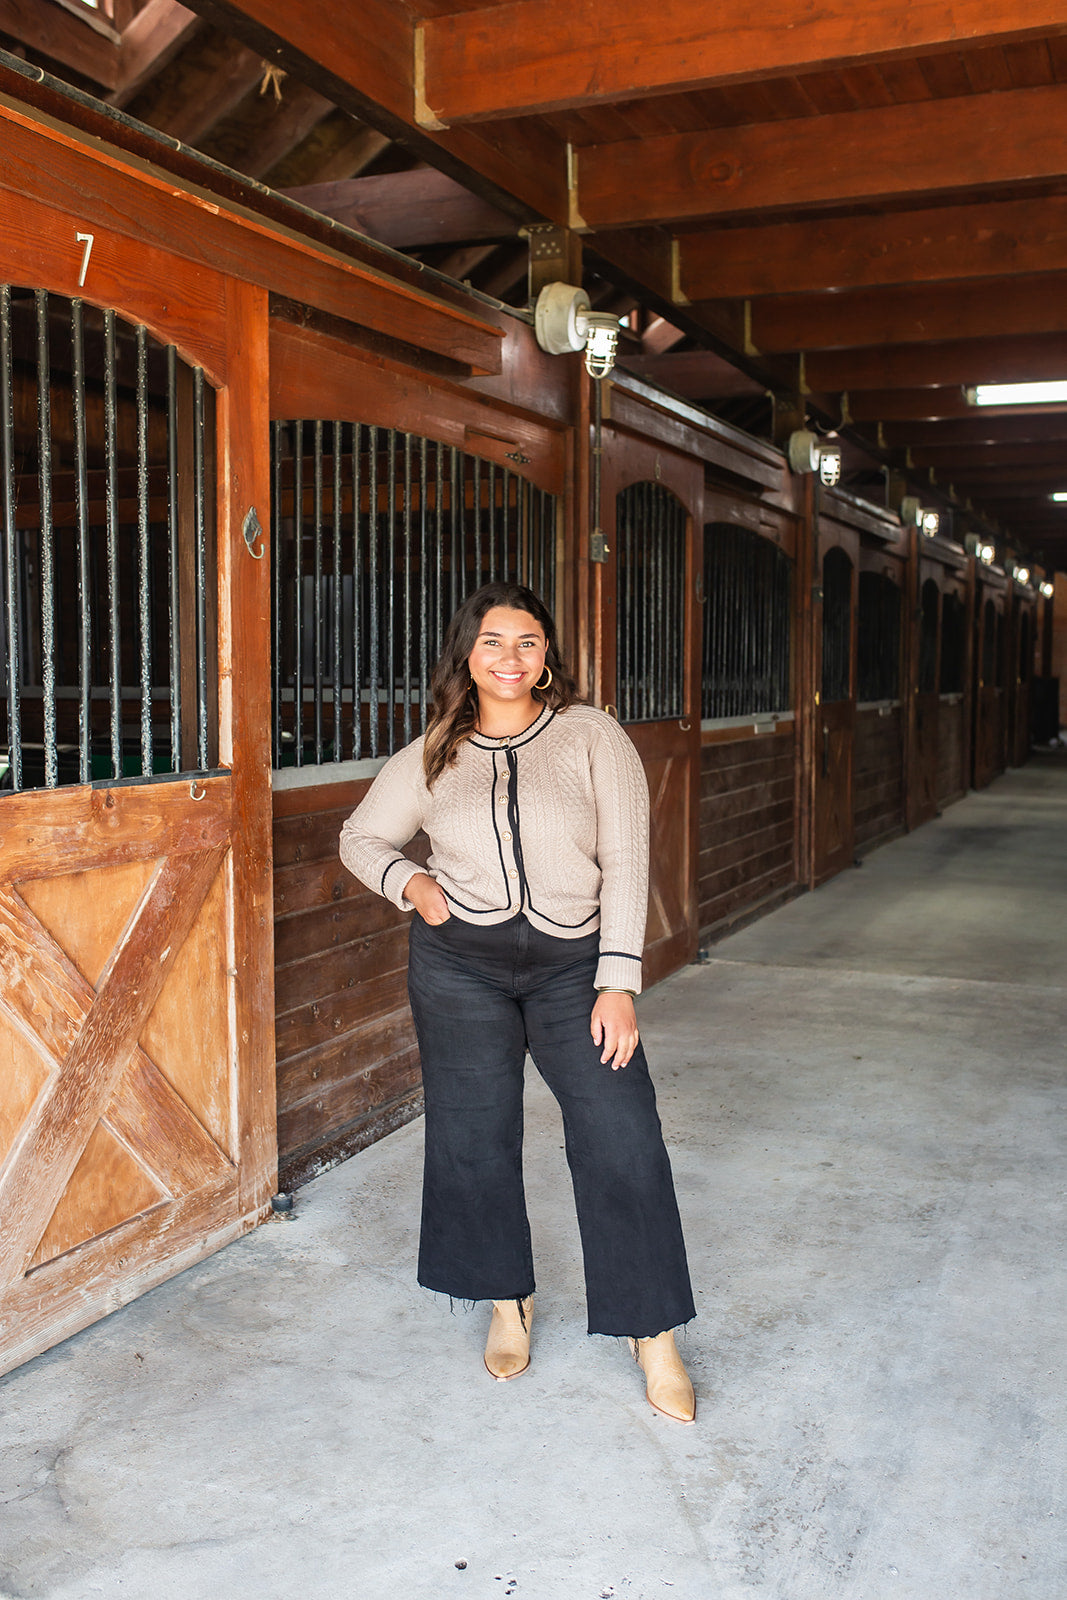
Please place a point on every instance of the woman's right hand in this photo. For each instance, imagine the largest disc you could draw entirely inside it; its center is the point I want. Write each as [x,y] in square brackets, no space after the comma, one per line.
[428,898]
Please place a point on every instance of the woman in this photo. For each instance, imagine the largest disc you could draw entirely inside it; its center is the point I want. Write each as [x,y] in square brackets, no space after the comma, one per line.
[528,933]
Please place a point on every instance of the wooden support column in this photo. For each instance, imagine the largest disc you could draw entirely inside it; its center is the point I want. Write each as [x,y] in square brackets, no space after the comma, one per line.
[806,682]
[912,624]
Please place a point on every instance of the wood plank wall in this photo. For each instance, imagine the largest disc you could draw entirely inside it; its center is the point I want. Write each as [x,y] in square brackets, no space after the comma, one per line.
[950,730]
[747,799]
[348,1069]
[878,776]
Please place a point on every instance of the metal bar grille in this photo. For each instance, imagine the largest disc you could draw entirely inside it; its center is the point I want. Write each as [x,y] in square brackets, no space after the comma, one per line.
[878,640]
[836,626]
[650,525]
[398,530]
[747,624]
[106,462]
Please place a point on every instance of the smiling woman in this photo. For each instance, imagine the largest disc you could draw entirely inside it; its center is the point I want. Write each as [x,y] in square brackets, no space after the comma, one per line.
[528,935]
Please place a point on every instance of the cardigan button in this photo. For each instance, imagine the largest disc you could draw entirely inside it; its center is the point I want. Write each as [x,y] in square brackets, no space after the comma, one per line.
[513,873]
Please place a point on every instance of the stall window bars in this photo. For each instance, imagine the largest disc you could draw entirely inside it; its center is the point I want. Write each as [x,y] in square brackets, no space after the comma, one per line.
[747,623]
[650,534]
[377,536]
[107,563]
[836,626]
[953,643]
[878,638]
[929,613]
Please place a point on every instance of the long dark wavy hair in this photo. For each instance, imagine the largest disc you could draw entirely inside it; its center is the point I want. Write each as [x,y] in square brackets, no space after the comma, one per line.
[454,713]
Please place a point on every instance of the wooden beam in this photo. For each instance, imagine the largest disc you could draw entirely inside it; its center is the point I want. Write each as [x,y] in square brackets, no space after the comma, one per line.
[553,55]
[924,246]
[204,91]
[922,405]
[964,457]
[694,374]
[931,147]
[89,44]
[911,315]
[978,428]
[408,209]
[961,361]
[363,61]
[152,39]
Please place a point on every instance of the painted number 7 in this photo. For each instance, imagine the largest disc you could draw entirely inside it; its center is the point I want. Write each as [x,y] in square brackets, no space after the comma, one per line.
[87,240]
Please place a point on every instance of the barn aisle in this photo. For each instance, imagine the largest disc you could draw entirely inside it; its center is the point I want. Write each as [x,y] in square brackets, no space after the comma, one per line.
[864,1095]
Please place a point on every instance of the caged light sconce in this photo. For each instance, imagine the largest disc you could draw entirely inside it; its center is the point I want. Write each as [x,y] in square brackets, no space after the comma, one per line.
[808,453]
[565,321]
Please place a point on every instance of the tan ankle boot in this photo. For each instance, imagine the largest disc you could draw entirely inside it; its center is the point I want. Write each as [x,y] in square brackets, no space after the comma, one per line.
[507,1349]
[667,1384]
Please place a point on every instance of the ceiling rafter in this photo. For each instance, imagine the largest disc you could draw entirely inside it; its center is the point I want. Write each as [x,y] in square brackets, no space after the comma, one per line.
[933,148]
[553,55]
[926,245]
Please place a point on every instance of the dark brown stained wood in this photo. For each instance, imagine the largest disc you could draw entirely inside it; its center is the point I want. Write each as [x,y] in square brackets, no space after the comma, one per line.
[966,241]
[963,456]
[406,209]
[344,967]
[546,55]
[647,414]
[149,41]
[334,1067]
[130,219]
[315,375]
[188,103]
[328,927]
[963,361]
[296,889]
[694,374]
[913,314]
[296,115]
[365,65]
[1021,426]
[934,148]
[385,1096]
[325,1020]
[90,45]
[39,1168]
[55,832]
[746,823]
[878,777]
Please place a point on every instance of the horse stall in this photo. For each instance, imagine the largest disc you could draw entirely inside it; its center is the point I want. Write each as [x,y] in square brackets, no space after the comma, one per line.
[990,673]
[881,672]
[1021,648]
[392,500]
[137,1129]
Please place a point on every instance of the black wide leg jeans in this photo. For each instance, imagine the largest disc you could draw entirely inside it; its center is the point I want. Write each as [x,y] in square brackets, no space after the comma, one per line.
[481,997]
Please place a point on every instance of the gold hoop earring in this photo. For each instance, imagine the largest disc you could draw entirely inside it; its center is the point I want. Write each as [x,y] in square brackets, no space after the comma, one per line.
[547,685]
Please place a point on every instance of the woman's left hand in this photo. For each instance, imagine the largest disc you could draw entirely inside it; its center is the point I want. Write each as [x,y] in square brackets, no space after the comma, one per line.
[614,1025]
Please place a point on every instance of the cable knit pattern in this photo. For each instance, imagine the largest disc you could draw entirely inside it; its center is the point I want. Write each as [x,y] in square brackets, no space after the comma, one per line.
[552,823]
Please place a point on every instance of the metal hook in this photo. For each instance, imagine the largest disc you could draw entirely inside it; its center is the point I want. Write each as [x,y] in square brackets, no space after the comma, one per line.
[685,726]
[192,790]
[252,530]
[612,711]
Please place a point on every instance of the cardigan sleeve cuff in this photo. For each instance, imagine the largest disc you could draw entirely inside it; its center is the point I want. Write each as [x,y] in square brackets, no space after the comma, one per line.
[395,879]
[617,970]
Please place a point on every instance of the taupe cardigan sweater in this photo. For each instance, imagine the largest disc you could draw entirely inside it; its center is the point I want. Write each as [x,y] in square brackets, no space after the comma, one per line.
[552,823]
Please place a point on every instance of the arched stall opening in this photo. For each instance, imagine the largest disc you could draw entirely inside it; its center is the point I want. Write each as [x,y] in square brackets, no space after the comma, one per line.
[1021,673]
[878,782]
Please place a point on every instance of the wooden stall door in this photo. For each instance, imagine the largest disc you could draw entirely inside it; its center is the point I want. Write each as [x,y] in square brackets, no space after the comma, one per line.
[835,721]
[656,689]
[136,1092]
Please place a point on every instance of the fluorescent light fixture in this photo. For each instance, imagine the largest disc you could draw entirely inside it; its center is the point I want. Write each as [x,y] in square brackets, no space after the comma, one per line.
[1059,496]
[1018,394]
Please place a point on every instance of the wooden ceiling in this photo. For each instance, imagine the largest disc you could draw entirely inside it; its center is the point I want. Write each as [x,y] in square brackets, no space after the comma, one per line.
[861,210]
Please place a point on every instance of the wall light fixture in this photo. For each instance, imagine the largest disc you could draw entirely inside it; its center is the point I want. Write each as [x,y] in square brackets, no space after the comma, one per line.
[564,321]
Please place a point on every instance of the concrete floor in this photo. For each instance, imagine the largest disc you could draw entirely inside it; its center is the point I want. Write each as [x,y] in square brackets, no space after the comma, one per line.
[864,1094]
